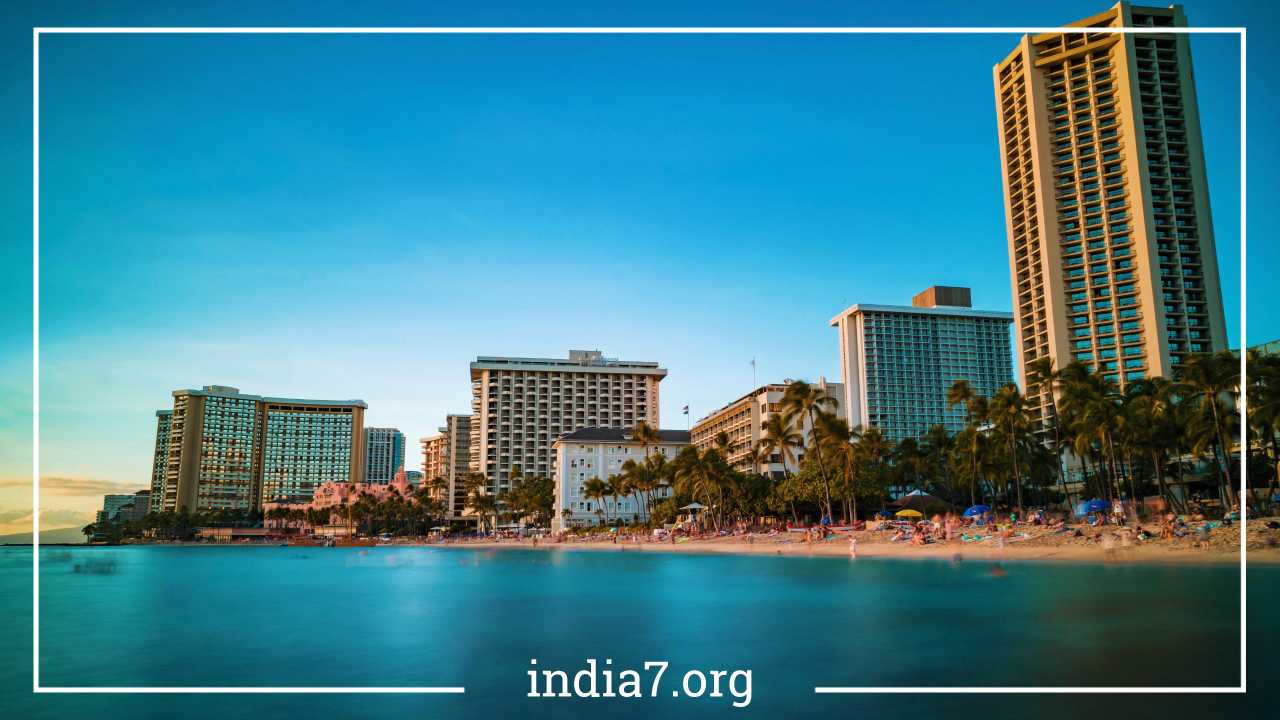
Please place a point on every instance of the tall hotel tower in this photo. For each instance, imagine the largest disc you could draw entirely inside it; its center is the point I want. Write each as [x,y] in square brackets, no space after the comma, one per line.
[384,454]
[898,363]
[520,406]
[229,451]
[1107,210]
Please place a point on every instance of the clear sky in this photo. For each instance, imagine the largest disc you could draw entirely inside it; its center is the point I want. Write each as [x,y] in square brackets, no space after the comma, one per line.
[360,216]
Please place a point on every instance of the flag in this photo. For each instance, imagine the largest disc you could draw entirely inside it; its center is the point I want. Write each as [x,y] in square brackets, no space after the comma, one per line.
[685,410]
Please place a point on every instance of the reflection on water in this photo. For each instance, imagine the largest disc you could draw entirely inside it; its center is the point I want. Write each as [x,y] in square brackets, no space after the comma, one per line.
[95,566]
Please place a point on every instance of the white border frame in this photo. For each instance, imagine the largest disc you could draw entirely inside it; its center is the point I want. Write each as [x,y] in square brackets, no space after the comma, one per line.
[821,690]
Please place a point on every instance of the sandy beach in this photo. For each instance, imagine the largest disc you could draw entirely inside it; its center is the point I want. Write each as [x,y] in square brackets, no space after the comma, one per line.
[1221,547]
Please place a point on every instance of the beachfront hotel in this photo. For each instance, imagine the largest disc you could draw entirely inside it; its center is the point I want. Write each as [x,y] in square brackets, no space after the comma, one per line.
[447,455]
[600,452]
[1111,245]
[383,454]
[231,451]
[898,362]
[520,406]
[160,459]
[743,421]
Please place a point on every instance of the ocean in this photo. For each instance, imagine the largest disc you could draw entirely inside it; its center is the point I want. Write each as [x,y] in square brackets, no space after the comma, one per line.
[402,616]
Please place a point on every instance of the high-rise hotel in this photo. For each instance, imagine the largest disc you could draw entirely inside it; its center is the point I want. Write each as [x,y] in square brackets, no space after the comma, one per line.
[520,406]
[160,460]
[1111,241]
[448,456]
[898,363]
[383,454]
[229,451]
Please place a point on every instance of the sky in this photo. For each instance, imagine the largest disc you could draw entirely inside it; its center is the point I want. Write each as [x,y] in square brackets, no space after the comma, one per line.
[361,216]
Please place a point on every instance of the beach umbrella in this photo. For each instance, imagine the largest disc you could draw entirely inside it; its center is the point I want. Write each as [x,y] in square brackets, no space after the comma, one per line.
[884,513]
[909,513]
[977,510]
[693,506]
[1091,506]
[922,501]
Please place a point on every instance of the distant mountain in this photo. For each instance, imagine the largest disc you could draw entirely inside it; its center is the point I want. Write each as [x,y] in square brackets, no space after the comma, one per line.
[55,535]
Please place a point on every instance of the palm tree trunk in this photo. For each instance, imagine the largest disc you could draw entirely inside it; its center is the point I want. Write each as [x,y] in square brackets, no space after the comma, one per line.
[1226,450]
[822,468]
[1017,476]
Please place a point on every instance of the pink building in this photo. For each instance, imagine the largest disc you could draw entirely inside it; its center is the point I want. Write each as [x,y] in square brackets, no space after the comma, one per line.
[335,495]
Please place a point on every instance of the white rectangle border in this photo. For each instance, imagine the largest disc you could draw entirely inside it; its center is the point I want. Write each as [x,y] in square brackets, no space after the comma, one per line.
[821,690]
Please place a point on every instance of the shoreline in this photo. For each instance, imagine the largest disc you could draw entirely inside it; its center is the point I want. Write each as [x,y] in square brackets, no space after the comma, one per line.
[1135,555]
[836,548]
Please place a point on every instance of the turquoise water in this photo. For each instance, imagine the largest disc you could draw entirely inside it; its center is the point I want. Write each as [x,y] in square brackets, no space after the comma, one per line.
[426,616]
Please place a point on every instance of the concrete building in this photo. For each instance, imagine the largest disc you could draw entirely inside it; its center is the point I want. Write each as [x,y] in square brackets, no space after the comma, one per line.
[120,509]
[898,362]
[383,453]
[1111,244]
[743,421]
[231,451]
[448,456]
[161,459]
[520,406]
[600,453]
[125,508]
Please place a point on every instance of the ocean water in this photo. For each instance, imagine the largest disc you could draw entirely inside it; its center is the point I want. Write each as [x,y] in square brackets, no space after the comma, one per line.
[387,616]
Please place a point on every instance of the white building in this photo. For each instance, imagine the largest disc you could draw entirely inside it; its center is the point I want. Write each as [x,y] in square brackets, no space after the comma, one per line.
[898,362]
[521,405]
[601,453]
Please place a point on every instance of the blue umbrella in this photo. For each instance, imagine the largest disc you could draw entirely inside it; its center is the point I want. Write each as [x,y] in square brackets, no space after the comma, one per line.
[885,513]
[977,510]
[1091,506]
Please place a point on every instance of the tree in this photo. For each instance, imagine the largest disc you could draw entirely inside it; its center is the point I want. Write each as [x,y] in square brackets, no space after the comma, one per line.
[1215,380]
[1043,378]
[1007,411]
[699,476]
[596,489]
[962,393]
[803,401]
[778,435]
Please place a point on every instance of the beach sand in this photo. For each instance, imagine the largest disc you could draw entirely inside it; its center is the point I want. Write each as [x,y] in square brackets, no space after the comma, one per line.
[1222,546]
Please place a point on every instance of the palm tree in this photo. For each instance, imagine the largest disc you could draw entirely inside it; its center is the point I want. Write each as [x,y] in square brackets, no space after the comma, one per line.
[483,505]
[935,446]
[1042,376]
[874,451]
[962,393]
[699,476]
[803,401]
[779,435]
[1264,410]
[619,488]
[646,436]
[1214,378]
[1007,411]
[596,489]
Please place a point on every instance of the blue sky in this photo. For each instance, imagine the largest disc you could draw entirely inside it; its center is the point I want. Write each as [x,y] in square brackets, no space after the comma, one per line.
[343,216]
